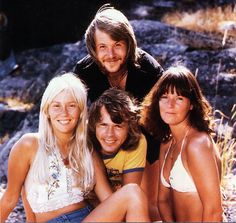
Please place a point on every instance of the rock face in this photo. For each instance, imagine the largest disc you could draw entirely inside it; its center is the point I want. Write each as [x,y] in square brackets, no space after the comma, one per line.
[214,65]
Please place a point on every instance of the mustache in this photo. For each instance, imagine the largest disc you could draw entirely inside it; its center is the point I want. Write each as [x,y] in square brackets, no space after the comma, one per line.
[113,59]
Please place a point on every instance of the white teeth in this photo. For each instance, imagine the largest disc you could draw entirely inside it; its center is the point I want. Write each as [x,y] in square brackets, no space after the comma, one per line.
[64,122]
[108,141]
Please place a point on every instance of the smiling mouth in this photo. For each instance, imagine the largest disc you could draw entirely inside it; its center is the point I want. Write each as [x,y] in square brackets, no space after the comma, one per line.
[64,122]
[170,113]
[109,141]
[112,60]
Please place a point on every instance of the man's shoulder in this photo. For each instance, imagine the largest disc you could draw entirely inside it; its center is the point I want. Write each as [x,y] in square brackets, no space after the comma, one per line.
[148,63]
[84,64]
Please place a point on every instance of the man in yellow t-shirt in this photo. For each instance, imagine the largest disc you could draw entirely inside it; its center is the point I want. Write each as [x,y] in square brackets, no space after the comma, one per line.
[124,162]
[116,135]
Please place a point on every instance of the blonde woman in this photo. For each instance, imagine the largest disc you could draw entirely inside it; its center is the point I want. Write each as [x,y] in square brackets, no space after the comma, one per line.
[57,168]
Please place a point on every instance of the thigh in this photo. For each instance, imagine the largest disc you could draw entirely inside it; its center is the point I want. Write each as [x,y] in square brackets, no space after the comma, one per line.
[127,203]
[110,209]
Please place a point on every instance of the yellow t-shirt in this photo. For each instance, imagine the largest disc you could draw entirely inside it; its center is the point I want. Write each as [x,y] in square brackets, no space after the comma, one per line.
[125,162]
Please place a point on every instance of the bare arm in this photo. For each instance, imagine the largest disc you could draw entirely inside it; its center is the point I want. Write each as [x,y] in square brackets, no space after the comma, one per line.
[18,166]
[150,182]
[134,177]
[102,187]
[202,163]
[164,198]
[29,214]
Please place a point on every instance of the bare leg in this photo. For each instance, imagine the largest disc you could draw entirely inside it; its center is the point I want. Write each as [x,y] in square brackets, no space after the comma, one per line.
[129,203]
[150,187]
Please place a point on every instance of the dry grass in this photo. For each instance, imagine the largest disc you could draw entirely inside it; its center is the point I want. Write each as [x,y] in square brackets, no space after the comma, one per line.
[227,144]
[15,104]
[4,138]
[211,20]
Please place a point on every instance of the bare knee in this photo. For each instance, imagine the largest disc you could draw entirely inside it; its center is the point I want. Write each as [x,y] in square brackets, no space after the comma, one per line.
[134,193]
[136,203]
[131,187]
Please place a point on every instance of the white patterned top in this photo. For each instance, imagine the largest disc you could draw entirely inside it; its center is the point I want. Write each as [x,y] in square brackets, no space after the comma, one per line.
[60,191]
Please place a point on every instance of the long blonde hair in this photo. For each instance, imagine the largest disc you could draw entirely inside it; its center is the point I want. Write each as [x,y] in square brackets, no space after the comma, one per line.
[80,158]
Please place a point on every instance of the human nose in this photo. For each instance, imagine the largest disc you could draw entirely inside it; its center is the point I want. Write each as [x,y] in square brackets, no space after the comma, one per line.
[110,52]
[110,131]
[64,109]
[171,102]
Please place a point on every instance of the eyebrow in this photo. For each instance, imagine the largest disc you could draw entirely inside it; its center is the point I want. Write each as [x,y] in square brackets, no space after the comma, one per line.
[66,102]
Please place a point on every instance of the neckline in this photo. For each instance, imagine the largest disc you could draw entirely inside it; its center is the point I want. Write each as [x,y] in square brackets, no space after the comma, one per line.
[179,155]
[182,145]
[182,140]
[121,78]
[109,156]
[59,157]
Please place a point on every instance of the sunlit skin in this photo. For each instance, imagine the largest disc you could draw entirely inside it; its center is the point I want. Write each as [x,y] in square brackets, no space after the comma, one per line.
[174,108]
[62,118]
[203,205]
[64,114]
[110,135]
[111,54]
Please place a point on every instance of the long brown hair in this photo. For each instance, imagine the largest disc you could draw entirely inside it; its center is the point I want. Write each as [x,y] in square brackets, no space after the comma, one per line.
[121,108]
[181,79]
[113,22]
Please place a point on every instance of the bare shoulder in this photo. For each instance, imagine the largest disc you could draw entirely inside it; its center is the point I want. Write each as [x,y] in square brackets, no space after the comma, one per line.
[197,142]
[27,144]
[201,149]
[28,140]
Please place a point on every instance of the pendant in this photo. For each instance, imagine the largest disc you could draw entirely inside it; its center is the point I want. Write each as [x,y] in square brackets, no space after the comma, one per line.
[66,161]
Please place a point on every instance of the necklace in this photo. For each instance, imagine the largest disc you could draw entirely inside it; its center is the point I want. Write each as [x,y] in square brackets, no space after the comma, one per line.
[118,84]
[66,161]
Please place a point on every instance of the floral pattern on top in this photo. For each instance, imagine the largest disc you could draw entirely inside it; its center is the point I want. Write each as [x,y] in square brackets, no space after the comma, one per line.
[55,172]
